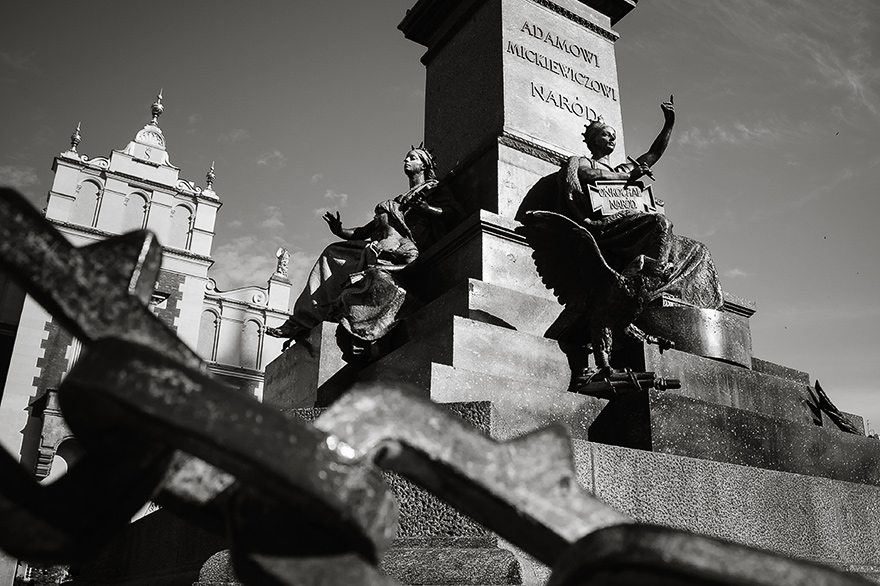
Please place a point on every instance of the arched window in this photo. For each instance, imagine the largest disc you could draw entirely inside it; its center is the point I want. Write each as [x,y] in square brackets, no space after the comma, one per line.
[207,344]
[66,455]
[85,208]
[181,225]
[135,212]
[250,344]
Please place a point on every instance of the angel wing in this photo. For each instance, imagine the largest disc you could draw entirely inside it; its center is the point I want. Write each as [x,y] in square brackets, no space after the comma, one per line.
[567,258]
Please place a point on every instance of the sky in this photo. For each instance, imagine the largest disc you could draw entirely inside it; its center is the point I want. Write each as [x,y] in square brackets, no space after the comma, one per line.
[311,106]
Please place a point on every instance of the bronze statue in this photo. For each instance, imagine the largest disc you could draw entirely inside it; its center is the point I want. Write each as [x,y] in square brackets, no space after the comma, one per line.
[606,267]
[356,282]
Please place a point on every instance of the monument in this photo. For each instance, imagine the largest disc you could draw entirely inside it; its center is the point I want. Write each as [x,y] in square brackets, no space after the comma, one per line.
[744,450]
[357,282]
[740,451]
[603,245]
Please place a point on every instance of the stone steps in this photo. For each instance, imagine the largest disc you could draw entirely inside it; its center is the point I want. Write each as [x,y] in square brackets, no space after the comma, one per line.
[798,515]
[676,424]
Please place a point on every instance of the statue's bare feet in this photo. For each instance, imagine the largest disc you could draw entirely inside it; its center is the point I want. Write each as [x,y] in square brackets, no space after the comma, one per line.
[275,333]
[294,335]
[589,375]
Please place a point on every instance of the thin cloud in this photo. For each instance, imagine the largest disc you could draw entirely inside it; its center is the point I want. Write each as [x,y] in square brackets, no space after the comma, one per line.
[193,119]
[249,261]
[273,220]
[272,160]
[37,141]
[233,136]
[323,210]
[824,46]
[243,261]
[736,274]
[756,133]
[701,139]
[831,187]
[735,134]
[19,61]
[807,312]
[316,177]
[340,199]
[18,176]
[852,77]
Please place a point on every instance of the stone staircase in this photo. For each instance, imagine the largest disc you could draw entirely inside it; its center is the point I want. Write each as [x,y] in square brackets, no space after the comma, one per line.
[738,452]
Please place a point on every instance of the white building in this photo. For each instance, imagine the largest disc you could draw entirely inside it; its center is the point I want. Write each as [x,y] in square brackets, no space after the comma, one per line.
[94,198]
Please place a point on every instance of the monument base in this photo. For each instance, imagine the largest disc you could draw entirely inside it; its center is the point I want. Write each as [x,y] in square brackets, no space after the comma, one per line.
[737,452]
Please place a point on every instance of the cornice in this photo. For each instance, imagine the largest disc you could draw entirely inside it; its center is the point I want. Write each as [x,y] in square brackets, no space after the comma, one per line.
[103,234]
[592,26]
[101,165]
[530,148]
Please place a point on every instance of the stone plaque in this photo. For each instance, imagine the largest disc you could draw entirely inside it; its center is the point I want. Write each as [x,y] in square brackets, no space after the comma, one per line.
[559,74]
[611,197]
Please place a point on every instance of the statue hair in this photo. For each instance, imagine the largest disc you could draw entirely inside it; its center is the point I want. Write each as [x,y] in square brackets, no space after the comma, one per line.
[593,129]
[427,162]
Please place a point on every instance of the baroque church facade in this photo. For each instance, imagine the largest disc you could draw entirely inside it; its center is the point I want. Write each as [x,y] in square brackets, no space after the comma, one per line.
[91,199]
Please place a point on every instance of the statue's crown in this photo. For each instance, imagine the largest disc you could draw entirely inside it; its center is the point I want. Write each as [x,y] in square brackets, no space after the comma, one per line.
[593,128]
[426,155]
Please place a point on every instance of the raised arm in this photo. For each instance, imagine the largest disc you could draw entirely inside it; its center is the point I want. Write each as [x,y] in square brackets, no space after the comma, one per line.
[662,141]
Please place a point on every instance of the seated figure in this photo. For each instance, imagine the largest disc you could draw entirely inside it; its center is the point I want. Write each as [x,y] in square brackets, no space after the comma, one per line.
[356,282]
[606,268]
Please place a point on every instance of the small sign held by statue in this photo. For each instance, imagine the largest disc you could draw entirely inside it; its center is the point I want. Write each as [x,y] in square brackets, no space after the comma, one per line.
[611,197]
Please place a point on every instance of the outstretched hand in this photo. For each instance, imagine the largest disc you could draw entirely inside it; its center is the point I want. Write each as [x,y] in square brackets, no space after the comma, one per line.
[334,222]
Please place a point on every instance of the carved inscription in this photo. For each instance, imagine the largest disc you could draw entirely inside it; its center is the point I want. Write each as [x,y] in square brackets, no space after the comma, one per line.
[562,101]
[544,48]
[560,43]
[562,70]
[611,197]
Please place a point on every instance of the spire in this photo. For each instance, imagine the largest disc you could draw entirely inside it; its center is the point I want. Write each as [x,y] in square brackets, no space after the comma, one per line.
[75,138]
[209,178]
[149,142]
[156,109]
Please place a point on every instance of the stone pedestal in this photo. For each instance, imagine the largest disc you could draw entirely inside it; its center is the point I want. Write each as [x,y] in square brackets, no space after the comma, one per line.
[700,457]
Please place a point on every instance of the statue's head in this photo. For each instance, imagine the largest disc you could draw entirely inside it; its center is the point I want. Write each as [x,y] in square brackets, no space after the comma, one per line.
[419,159]
[600,138]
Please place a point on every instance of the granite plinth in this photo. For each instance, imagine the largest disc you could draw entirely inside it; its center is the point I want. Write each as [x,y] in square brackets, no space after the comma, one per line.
[481,302]
[769,393]
[808,517]
[766,388]
[435,543]
[217,571]
[763,366]
[293,378]
[704,332]
[452,565]
[454,562]
[468,345]
[483,247]
[674,423]
[421,515]
[669,423]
